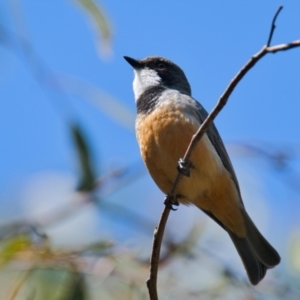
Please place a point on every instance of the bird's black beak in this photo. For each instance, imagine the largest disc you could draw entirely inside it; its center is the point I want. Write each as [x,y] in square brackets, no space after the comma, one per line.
[133,62]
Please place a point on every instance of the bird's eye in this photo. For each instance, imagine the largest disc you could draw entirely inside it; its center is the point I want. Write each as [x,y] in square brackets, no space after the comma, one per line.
[161,66]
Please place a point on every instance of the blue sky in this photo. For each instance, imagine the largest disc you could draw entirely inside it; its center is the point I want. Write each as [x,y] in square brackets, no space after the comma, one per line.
[209,40]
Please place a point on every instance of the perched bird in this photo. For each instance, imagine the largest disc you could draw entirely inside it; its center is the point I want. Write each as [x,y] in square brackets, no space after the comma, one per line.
[167,118]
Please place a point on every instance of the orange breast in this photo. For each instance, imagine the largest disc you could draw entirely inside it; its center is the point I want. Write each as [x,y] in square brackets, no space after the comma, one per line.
[164,136]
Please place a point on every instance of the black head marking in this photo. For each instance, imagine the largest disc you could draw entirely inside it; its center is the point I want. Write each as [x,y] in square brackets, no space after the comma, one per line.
[147,101]
[171,75]
[150,85]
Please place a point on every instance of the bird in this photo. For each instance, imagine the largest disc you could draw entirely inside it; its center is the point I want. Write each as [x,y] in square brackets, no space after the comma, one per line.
[167,118]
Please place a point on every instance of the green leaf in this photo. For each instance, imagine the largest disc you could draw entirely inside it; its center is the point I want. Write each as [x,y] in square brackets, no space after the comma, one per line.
[97,16]
[10,247]
[77,287]
[98,248]
[87,179]
[41,282]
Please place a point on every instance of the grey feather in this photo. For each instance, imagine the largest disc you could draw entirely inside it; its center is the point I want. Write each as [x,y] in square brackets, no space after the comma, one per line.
[262,248]
[218,144]
[255,251]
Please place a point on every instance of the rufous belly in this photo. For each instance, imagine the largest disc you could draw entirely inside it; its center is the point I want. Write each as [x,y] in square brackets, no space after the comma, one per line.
[163,137]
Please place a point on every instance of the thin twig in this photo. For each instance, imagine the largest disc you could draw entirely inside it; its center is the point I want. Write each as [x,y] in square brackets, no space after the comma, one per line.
[159,231]
[273,26]
[80,201]
[157,240]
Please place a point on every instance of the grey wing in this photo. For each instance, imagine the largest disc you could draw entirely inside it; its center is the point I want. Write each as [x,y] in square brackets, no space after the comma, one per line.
[217,142]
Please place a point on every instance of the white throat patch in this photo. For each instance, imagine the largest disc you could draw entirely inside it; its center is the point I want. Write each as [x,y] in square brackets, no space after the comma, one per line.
[143,79]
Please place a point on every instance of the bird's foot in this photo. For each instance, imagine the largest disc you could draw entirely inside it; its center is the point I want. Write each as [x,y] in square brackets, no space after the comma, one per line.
[184,167]
[170,201]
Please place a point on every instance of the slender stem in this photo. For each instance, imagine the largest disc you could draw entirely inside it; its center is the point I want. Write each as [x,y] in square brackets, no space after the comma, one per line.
[157,241]
[273,26]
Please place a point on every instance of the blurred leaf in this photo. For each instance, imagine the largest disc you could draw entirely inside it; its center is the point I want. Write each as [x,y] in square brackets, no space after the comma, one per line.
[40,282]
[190,241]
[99,248]
[294,250]
[10,247]
[104,101]
[97,16]
[87,181]
[17,286]
[77,288]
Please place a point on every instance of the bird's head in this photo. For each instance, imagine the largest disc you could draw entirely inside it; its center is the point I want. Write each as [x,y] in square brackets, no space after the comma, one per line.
[157,71]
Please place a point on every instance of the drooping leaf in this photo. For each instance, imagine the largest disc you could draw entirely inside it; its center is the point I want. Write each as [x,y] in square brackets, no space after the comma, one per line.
[107,103]
[96,14]
[77,288]
[87,174]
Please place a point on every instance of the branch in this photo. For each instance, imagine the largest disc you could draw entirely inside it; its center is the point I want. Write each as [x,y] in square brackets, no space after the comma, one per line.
[159,231]
[273,25]
[154,261]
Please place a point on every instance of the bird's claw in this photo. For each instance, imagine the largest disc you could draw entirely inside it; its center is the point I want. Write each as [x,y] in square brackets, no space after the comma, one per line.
[184,167]
[170,201]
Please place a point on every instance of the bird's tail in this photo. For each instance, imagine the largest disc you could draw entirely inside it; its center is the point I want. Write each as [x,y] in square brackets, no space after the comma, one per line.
[255,251]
